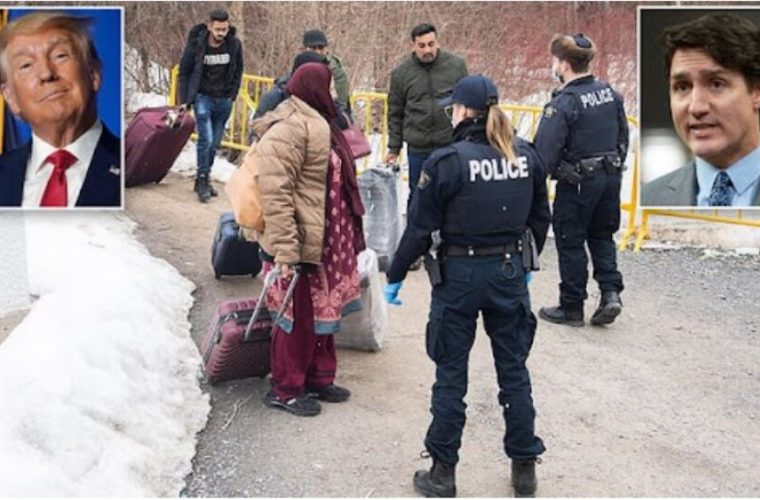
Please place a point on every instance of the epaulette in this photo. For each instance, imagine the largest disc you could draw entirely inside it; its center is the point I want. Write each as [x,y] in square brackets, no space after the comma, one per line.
[442,153]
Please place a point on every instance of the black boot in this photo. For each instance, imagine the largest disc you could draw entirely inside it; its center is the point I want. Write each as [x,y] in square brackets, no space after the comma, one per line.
[202,187]
[524,477]
[211,189]
[609,308]
[561,316]
[437,482]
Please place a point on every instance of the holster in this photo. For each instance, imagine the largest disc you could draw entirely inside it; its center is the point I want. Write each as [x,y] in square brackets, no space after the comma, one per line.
[530,252]
[432,262]
[613,163]
[568,172]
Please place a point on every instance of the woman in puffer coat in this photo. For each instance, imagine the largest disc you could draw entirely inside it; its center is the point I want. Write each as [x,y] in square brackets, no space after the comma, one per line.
[312,218]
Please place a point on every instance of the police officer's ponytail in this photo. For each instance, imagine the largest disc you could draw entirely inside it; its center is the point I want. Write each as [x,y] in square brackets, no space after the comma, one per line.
[500,133]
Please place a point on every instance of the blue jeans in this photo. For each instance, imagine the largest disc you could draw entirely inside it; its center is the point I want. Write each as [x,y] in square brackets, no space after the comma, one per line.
[211,114]
[495,287]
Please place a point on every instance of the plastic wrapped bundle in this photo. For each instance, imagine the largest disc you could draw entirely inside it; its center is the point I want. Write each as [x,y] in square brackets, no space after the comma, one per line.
[365,329]
[382,231]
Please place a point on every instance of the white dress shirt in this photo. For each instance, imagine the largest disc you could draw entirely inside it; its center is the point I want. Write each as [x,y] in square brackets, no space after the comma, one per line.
[38,169]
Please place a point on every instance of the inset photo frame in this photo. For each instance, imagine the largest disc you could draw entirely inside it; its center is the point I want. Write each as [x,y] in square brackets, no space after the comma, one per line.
[61,137]
[699,95]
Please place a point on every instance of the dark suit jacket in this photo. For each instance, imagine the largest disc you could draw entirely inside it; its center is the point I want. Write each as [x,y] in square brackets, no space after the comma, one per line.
[676,189]
[101,187]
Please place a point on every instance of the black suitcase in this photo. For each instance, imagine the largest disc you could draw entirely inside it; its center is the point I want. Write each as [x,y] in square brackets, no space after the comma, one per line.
[231,254]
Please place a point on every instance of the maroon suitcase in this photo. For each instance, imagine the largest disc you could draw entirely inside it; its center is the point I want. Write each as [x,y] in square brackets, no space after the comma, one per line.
[238,341]
[154,139]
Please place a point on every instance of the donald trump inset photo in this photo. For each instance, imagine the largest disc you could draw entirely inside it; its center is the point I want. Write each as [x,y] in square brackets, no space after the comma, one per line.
[50,75]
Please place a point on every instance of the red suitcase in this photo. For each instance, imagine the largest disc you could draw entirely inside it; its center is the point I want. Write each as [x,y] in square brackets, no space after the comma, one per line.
[238,341]
[154,139]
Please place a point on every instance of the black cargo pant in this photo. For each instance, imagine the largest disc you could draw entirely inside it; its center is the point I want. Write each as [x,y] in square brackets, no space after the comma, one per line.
[496,286]
[587,214]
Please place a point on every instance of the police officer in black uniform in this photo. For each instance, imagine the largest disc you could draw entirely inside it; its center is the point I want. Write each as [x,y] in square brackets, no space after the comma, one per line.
[486,195]
[583,141]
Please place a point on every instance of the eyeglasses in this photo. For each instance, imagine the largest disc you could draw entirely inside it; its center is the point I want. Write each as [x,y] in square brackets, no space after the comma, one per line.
[449,110]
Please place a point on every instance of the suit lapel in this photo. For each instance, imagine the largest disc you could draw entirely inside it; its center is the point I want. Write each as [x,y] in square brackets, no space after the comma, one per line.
[13,174]
[684,187]
[102,185]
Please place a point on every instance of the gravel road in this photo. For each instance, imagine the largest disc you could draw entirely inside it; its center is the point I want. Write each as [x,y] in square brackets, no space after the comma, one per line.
[665,402]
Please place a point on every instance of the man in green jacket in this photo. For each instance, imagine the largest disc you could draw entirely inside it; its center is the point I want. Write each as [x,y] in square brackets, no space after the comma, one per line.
[316,41]
[414,117]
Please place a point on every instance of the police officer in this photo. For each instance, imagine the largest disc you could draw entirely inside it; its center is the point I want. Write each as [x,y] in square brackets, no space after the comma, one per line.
[483,193]
[583,141]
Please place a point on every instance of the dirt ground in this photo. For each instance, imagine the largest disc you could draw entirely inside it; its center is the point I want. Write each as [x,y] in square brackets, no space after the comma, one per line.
[665,402]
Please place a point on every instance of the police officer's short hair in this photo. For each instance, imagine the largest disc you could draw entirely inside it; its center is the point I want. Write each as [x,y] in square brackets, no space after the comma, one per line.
[732,41]
[578,50]
[422,29]
[219,15]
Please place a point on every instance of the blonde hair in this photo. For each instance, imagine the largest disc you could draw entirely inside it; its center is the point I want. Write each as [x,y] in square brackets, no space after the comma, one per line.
[500,133]
[78,27]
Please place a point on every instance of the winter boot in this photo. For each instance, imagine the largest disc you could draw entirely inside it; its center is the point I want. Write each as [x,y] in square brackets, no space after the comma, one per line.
[561,316]
[439,481]
[524,477]
[609,308]
[202,187]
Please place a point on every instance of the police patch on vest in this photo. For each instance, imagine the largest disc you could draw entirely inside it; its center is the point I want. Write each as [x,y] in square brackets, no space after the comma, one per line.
[597,98]
[549,111]
[494,170]
[424,180]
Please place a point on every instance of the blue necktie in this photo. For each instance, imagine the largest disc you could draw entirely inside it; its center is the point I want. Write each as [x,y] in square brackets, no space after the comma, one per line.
[722,191]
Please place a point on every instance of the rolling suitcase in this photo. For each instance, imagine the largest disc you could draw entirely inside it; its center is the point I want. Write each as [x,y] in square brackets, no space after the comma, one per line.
[231,254]
[154,139]
[238,341]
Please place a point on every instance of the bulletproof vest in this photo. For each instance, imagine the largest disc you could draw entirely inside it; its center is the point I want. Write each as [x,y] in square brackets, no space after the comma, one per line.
[496,195]
[595,120]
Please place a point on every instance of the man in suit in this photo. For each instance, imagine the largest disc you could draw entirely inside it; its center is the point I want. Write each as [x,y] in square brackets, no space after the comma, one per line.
[50,74]
[713,69]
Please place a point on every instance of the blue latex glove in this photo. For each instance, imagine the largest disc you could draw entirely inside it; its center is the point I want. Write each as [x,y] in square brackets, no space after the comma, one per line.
[528,277]
[391,293]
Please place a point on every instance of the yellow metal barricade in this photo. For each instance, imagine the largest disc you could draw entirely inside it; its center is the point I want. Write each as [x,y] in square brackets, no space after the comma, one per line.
[370,110]
[707,215]
[525,119]
[237,133]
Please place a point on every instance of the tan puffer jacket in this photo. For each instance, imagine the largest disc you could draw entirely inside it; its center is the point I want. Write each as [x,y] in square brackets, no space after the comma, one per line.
[291,159]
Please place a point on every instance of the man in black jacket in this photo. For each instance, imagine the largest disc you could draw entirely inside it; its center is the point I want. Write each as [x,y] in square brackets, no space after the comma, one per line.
[210,73]
[429,73]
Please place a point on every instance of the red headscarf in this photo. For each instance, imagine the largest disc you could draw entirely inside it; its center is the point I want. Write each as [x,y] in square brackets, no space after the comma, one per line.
[311,84]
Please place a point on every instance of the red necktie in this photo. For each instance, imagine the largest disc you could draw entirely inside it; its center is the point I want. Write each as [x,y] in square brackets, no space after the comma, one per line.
[56,194]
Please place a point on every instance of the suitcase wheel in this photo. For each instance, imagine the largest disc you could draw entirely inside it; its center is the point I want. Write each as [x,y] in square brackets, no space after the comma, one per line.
[217,276]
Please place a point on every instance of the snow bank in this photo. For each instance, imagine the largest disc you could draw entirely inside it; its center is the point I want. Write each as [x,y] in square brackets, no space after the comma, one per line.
[99,383]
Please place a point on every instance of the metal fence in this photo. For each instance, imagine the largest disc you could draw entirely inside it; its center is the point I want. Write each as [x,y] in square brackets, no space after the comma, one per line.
[370,109]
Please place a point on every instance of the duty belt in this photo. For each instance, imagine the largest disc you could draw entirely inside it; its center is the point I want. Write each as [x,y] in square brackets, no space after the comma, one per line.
[471,251]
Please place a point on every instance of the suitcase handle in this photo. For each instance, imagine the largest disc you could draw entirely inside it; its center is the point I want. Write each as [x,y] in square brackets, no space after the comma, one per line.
[270,278]
[175,117]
